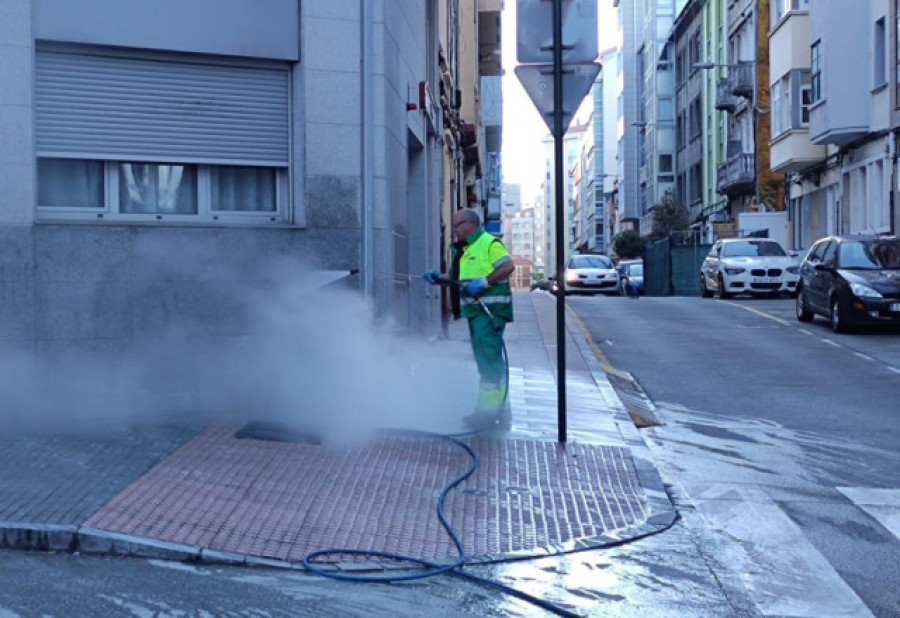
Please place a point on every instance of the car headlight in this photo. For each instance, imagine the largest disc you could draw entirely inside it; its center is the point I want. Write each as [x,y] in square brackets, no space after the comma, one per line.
[794,270]
[864,291]
[572,276]
[734,270]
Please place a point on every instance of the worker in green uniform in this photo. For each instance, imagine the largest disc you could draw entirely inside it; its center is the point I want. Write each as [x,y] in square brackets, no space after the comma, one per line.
[484,269]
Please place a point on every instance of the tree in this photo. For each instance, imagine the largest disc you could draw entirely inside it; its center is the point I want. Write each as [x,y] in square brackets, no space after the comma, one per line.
[669,216]
[628,245]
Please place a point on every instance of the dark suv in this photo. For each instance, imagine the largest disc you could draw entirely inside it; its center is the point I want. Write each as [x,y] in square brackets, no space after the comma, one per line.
[852,280]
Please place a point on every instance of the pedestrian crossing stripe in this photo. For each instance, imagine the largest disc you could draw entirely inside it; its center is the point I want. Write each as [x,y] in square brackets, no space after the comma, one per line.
[882,504]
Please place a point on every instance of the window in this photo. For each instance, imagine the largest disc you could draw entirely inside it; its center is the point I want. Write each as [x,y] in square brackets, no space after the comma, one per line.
[70,183]
[805,98]
[122,191]
[125,138]
[777,126]
[897,53]
[665,109]
[815,72]
[879,44]
[665,163]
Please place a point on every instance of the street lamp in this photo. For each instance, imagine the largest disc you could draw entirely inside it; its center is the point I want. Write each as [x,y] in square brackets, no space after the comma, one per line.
[705,66]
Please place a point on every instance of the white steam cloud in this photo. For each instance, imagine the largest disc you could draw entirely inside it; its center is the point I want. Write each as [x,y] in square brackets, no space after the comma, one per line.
[310,358]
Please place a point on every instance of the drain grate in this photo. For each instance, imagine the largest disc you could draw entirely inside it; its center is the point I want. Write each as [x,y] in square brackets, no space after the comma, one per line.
[635,400]
[275,432]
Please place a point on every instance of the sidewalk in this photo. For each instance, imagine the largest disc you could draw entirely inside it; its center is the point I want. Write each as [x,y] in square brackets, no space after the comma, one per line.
[212,494]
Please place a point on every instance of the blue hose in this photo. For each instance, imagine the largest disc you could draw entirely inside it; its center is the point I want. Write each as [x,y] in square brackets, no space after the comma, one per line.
[454,568]
[437,568]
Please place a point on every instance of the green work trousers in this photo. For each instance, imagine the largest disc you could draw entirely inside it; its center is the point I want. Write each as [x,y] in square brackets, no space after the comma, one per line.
[487,344]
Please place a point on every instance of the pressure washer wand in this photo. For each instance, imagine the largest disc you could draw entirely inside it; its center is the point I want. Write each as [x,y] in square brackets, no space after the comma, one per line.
[496,323]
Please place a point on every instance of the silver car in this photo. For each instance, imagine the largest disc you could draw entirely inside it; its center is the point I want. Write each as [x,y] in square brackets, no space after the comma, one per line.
[589,274]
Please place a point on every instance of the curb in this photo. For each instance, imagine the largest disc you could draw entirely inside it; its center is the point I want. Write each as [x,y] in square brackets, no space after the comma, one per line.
[662,512]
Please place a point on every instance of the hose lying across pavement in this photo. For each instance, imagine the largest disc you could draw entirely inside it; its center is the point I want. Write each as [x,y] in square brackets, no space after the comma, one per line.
[454,568]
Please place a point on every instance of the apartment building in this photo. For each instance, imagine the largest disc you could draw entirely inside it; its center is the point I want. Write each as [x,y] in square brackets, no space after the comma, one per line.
[687,38]
[156,163]
[834,117]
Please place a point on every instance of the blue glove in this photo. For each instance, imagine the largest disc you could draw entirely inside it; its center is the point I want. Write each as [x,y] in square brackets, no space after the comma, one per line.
[475,287]
[431,276]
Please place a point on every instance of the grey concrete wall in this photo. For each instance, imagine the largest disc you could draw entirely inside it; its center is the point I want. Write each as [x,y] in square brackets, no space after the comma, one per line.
[17,166]
[227,27]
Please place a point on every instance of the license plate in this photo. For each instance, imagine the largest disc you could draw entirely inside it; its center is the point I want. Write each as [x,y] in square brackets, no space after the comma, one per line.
[765,280]
[895,307]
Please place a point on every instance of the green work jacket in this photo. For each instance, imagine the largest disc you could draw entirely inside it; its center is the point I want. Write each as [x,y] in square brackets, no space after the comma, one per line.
[482,255]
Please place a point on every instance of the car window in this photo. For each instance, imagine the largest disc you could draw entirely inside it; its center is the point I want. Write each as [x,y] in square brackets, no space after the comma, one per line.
[856,254]
[752,248]
[636,270]
[590,261]
[816,253]
[829,257]
[884,253]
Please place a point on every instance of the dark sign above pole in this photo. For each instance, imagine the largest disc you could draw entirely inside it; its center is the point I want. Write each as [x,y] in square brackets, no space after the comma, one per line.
[534,31]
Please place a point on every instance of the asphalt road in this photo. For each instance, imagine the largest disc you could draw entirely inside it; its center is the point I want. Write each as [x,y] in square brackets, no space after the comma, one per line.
[785,435]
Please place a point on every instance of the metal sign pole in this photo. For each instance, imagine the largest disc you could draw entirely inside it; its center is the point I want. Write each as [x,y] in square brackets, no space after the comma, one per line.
[561,208]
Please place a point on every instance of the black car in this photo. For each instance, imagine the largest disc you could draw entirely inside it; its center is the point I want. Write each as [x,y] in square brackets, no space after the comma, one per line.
[852,280]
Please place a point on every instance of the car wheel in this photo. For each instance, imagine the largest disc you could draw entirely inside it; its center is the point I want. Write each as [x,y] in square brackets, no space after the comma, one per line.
[803,314]
[723,294]
[838,323]
[705,292]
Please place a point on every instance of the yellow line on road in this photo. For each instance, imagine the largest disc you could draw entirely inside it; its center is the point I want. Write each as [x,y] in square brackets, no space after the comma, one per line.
[601,357]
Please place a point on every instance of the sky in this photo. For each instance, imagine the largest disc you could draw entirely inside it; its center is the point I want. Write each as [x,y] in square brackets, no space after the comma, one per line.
[523,128]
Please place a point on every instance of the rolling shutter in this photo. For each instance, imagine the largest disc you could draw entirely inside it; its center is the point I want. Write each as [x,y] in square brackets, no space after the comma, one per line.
[114,108]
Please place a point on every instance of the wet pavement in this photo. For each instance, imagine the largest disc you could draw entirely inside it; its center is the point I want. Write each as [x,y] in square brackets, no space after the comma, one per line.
[205,493]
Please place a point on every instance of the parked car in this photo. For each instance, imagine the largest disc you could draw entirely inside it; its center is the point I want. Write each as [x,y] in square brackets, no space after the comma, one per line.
[631,273]
[851,280]
[756,266]
[589,274]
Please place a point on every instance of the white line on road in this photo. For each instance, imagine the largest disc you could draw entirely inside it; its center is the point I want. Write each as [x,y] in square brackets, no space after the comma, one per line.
[784,574]
[894,369]
[764,314]
[882,504]
[864,356]
[830,342]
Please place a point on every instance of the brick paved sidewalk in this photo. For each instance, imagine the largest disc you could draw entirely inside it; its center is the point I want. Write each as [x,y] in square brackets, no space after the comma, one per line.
[218,496]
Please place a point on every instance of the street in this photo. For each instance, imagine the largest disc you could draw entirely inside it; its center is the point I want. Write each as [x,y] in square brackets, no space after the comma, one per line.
[782,435]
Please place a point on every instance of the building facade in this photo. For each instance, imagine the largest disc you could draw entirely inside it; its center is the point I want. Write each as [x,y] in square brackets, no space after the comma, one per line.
[152,158]
[839,155]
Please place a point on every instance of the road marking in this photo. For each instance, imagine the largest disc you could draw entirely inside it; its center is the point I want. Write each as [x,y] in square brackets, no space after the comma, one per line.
[763,314]
[783,573]
[882,504]
[808,332]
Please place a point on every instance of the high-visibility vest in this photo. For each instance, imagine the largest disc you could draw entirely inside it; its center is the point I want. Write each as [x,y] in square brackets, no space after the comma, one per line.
[476,263]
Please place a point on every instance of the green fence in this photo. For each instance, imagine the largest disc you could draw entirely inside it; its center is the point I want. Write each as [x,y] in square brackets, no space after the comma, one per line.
[673,269]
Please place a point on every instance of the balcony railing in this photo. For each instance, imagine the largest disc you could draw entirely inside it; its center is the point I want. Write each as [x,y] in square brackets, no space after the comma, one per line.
[741,78]
[725,99]
[737,174]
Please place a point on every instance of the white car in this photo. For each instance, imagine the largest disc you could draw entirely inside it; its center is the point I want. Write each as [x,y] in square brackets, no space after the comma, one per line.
[756,266]
[589,274]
